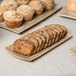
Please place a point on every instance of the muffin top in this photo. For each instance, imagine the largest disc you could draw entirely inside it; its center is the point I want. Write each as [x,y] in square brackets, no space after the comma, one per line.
[25,10]
[36,5]
[12,16]
[71,5]
[22,2]
[1,10]
[47,1]
[9,4]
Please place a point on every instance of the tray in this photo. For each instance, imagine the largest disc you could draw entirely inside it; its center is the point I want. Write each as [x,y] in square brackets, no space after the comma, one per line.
[73,50]
[33,22]
[65,13]
[37,55]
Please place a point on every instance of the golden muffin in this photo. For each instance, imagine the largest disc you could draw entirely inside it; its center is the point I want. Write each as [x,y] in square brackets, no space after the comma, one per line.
[27,11]
[13,19]
[22,2]
[1,13]
[49,4]
[9,4]
[37,6]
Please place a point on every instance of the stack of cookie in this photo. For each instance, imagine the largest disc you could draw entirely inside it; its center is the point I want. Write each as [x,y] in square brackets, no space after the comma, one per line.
[26,8]
[38,40]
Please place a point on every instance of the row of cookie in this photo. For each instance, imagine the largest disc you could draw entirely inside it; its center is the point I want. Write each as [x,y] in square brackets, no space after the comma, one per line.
[40,39]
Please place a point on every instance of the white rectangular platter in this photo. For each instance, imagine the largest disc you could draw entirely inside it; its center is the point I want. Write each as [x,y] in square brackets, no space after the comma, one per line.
[37,55]
[73,50]
[65,13]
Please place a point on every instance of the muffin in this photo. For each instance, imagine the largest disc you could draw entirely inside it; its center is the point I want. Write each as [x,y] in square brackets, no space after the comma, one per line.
[9,4]
[22,2]
[1,13]
[13,19]
[37,6]
[49,4]
[71,5]
[26,11]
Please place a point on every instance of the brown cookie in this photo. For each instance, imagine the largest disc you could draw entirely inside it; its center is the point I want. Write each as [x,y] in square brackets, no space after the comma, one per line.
[42,38]
[33,40]
[39,40]
[51,39]
[64,29]
[46,34]
[24,47]
[57,28]
[55,32]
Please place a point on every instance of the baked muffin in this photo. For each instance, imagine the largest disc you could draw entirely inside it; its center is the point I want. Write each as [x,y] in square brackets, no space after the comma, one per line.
[37,6]
[49,4]
[1,13]
[13,19]
[26,11]
[22,2]
[9,4]
[71,5]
